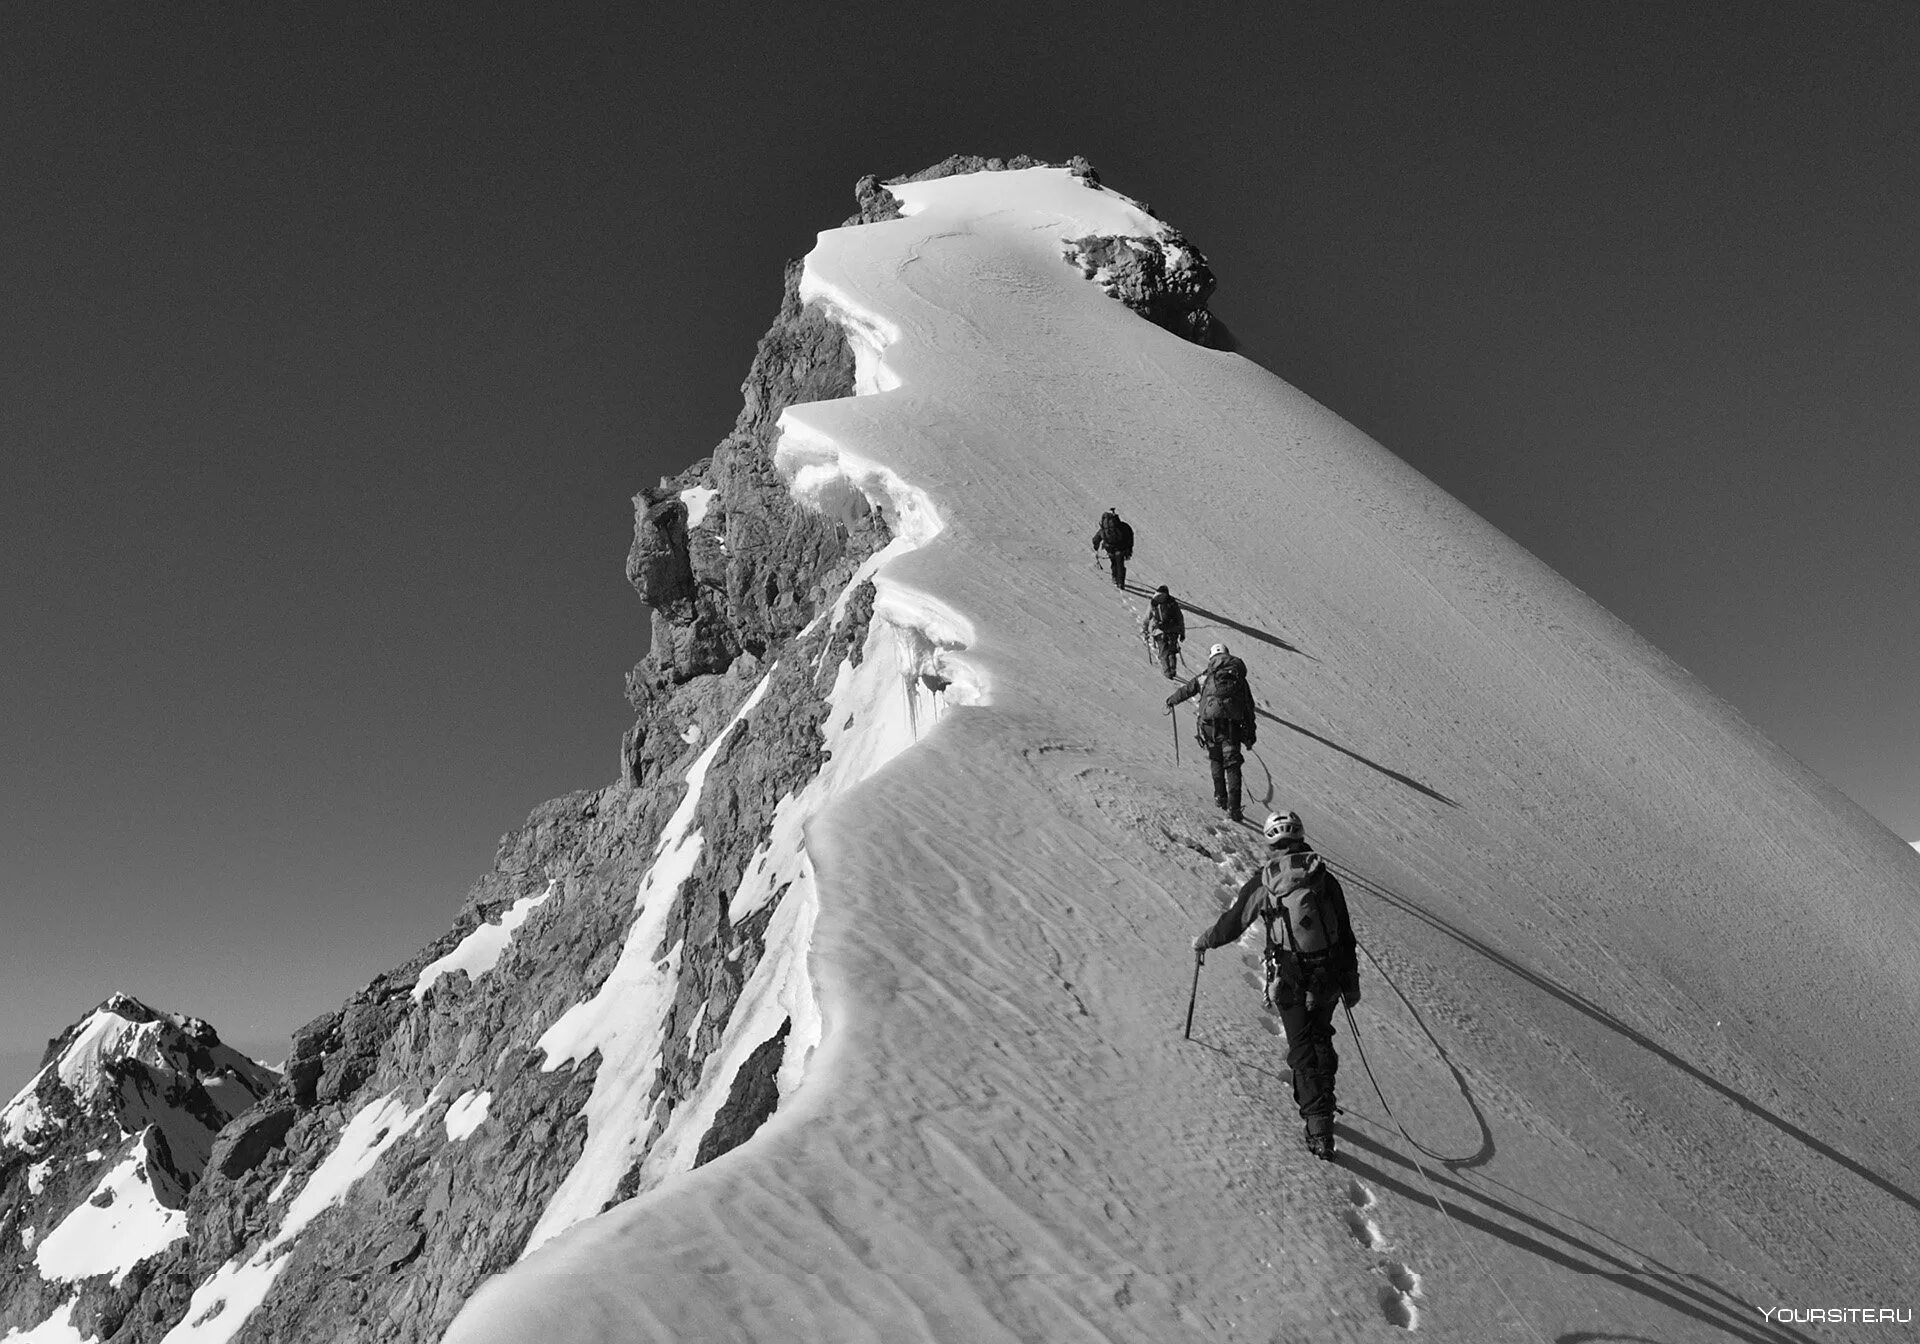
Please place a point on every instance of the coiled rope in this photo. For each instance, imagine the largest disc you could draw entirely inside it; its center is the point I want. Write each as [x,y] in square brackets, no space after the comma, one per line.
[1414,1149]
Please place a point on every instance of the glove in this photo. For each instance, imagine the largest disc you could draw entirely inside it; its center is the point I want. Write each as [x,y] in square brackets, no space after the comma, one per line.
[1350,992]
[1200,948]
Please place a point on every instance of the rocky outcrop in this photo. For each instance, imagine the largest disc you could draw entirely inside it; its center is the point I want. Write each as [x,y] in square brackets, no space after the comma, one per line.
[1164,279]
[752,566]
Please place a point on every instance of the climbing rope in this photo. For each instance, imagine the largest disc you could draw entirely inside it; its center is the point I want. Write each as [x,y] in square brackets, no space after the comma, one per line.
[1415,1148]
[1432,1190]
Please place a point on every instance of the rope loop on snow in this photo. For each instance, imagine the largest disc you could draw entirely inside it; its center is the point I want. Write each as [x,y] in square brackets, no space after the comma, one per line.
[1432,1191]
[1413,1148]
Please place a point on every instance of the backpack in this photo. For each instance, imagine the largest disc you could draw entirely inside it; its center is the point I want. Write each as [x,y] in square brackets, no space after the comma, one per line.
[1300,917]
[1163,617]
[1303,928]
[1116,536]
[1224,695]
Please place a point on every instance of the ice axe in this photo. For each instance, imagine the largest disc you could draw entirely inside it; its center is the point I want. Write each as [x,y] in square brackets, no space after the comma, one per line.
[1173,721]
[1199,960]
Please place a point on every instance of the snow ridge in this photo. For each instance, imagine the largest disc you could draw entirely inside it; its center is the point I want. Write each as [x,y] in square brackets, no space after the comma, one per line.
[910,670]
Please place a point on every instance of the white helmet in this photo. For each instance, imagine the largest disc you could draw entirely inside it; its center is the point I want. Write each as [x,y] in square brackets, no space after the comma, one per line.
[1216,650]
[1283,826]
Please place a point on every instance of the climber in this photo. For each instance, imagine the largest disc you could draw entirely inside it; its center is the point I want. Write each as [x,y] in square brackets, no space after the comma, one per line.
[1116,539]
[1226,721]
[1311,962]
[1164,626]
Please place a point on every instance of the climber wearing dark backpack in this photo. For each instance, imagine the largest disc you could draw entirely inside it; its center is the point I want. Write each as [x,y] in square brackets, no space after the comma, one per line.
[1311,962]
[1116,539]
[1164,626]
[1226,721]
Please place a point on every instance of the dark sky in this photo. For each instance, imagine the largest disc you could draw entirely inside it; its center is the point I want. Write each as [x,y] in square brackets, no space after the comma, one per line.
[335,343]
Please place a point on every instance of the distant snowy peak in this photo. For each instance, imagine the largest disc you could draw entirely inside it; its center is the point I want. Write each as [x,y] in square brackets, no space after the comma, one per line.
[131,1063]
[100,1151]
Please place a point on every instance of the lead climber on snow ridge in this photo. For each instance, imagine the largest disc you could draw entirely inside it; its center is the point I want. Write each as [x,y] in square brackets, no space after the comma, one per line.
[1115,538]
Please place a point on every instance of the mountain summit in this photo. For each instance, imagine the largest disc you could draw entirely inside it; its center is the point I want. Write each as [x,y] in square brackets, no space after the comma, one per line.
[99,1152]
[853,1008]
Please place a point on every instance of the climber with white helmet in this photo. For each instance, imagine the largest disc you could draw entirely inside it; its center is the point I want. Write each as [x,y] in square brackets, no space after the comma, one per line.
[1310,961]
[1226,721]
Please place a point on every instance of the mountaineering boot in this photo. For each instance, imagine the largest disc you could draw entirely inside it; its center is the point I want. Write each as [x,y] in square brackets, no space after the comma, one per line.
[1319,1137]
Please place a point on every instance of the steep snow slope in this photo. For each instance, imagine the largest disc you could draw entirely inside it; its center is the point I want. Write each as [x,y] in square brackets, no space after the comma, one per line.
[1640,988]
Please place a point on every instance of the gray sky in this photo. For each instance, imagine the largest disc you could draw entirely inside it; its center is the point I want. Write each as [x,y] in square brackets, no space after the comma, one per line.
[336,344]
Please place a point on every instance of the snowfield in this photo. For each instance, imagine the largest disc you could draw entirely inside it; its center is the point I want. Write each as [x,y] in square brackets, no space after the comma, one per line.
[1640,991]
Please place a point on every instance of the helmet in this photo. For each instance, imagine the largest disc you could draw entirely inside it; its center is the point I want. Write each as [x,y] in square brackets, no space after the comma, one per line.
[1216,650]
[1283,826]
[1161,589]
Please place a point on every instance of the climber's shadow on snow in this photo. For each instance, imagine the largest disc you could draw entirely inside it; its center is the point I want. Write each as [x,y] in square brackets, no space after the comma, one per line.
[1637,1272]
[1251,632]
[1243,1061]
[1596,1013]
[1394,775]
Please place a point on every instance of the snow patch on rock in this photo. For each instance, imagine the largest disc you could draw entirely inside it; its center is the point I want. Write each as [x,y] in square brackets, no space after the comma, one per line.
[698,499]
[221,1305]
[468,1111]
[623,1020]
[24,1118]
[56,1329]
[116,1227]
[480,951]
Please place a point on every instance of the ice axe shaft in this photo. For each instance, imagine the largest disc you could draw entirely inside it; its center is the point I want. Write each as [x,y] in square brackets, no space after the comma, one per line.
[1173,720]
[1193,997]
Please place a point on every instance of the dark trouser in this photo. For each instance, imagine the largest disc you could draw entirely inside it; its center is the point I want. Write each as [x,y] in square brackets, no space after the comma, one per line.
[1223,755]
[1311,1057]
[1119,564]
[1167,653]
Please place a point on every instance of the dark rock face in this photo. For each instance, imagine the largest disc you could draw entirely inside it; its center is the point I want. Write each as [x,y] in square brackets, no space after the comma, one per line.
[759,565]
[438,1122]
[754,1097]
[732,579]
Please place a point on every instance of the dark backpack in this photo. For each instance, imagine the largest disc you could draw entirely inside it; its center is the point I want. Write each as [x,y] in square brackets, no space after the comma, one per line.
[1163,616]
[1116,536]
[1224,694]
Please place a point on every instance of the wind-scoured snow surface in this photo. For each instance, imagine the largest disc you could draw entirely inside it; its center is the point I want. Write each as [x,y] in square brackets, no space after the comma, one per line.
[1639,988]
